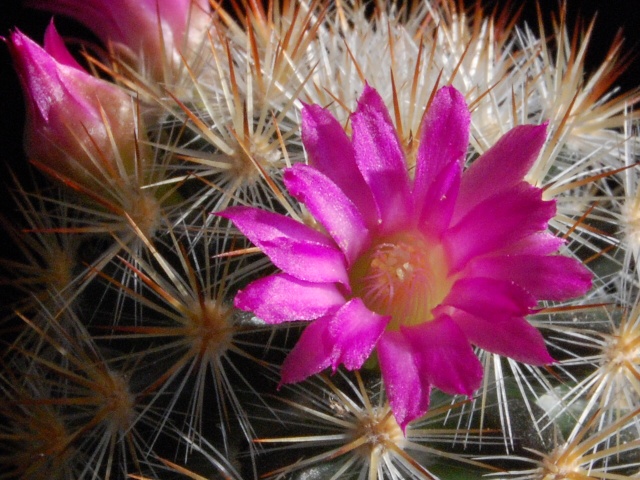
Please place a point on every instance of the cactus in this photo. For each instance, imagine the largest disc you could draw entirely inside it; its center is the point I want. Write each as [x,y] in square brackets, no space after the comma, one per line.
[381,158]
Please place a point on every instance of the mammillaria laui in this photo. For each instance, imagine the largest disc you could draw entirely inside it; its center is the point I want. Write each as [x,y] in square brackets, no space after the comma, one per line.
[416,269]
[320,240]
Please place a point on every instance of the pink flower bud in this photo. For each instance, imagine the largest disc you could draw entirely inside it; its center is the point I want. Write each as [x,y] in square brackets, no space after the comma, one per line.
[78,127]
[151,32]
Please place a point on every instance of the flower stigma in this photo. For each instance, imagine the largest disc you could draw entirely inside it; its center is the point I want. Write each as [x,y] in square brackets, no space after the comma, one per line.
[404,276]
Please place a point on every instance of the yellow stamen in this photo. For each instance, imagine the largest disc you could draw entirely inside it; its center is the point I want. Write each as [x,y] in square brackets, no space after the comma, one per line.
[404,276]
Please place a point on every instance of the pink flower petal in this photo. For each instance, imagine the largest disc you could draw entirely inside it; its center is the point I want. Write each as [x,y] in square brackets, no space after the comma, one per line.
[295,248]
[444,140]
[73,118]
[407,390]
[540,243]
[348,336]
[440,201]
[331,152]
[546,277]
[380,158]
[283,298]
[53,88]
[54,46]
[505,335]
[329,205]
[497,222]
[501,167]
[488,296]
[444,356]
[311,355]
[355,330]
[490,312]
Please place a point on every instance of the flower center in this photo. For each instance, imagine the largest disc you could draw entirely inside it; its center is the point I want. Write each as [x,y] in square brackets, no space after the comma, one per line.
[404,276]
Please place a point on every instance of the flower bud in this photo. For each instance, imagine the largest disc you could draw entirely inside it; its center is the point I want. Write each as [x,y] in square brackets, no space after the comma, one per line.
[152,33]
[78,127]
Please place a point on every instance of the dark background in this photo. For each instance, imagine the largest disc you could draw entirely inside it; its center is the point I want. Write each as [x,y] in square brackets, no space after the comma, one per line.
[612,15]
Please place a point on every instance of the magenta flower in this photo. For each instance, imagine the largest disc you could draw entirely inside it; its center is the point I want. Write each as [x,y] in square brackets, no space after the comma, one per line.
[67,109]
[148,30]
[418,269]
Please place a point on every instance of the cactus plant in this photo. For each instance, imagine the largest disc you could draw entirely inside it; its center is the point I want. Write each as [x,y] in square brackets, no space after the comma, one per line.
[321,240]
